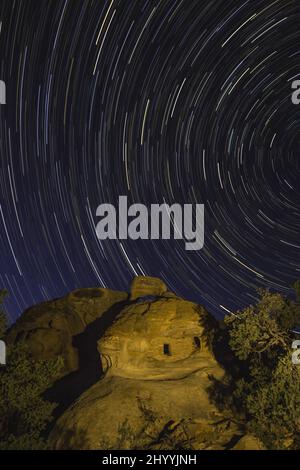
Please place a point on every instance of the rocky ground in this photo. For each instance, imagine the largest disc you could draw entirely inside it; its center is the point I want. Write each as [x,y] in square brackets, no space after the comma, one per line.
[118,413]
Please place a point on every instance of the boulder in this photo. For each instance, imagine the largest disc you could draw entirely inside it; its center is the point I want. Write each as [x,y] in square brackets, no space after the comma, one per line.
[119,413]
[143,286]
[158,368]
[49,328]
[164,338]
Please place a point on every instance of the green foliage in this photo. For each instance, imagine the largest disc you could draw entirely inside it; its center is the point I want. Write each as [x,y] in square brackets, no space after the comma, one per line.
[24,413]
[275,406]
[267,390]
[262,328]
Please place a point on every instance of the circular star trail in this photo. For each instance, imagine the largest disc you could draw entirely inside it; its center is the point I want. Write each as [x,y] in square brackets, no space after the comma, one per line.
[163,101]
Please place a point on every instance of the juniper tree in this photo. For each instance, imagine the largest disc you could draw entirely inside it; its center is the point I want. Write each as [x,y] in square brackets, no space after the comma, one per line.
[267,391]
[24,414]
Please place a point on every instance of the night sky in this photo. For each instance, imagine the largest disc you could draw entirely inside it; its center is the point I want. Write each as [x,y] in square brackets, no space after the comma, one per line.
[163,101]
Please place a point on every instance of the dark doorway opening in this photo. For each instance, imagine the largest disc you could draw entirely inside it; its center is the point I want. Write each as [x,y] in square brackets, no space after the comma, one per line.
[167,351]
[197,342]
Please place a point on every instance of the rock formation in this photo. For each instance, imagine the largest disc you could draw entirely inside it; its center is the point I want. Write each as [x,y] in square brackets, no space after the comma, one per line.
[155,364]
[49,328]
[158,339]
[142,286]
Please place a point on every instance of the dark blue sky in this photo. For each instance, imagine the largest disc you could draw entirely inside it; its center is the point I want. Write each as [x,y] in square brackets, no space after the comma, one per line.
[162,101]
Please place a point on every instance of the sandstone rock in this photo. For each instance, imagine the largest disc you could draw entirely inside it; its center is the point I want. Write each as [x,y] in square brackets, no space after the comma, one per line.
[160,339]
[118,413]
[158,366]
[49,328]
[249,442]
[155,352]
[143,286]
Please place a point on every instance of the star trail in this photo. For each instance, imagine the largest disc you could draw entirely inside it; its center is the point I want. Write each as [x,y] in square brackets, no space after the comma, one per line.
[161,101]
